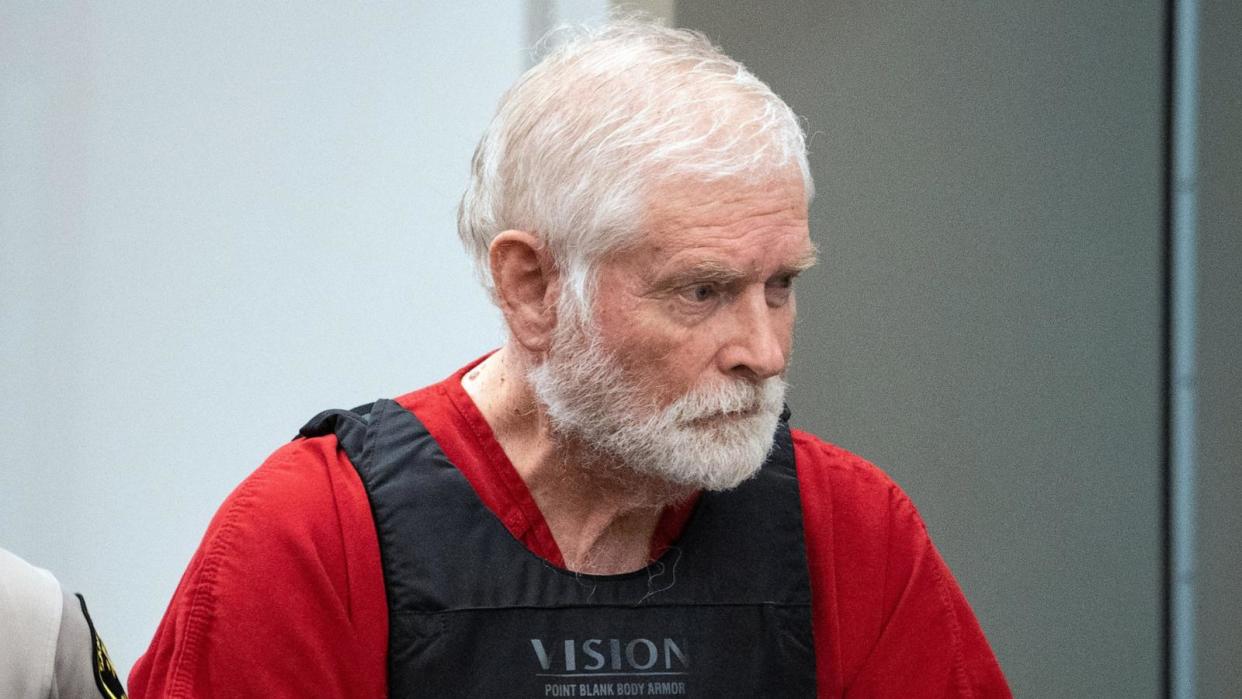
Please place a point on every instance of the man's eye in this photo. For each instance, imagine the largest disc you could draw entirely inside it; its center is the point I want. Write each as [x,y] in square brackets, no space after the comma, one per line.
[778,290]
[700,293]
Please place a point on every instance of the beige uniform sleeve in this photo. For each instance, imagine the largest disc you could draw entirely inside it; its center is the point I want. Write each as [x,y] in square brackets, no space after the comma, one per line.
[30,609]
[48,645]
[74,673]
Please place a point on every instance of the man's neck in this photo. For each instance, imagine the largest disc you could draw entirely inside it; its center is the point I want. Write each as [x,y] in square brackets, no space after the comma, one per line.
[601,515]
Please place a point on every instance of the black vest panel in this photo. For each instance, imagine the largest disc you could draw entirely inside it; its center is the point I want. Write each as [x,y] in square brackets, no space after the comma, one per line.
[725,612]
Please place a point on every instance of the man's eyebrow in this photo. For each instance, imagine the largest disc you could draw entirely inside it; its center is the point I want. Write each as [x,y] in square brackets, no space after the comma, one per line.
[707,271]
[715,272]
[804,262]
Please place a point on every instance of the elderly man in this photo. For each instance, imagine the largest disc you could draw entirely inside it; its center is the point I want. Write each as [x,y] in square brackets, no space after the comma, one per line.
[613,503]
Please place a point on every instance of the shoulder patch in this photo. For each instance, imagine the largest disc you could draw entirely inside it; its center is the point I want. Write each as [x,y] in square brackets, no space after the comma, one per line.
[106,681]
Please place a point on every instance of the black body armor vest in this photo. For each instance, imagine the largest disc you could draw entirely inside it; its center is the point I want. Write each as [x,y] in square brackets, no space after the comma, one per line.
[725,612]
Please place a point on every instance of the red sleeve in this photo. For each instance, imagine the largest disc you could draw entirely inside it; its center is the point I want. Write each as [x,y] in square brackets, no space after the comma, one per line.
[889,619]
[285,595]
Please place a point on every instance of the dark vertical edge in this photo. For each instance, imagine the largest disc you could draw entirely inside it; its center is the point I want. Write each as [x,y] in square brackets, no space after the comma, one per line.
[1166,350]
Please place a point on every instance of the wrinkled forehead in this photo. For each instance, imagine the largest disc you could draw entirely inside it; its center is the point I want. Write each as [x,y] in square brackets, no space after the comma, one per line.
[749,212]
[676,197]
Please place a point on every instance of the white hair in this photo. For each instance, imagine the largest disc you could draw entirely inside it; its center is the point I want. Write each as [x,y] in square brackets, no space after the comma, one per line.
[583,137]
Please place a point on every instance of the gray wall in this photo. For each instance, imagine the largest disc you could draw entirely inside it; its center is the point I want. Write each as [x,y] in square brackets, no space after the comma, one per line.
[986,324]
[213,224]
[1219,617]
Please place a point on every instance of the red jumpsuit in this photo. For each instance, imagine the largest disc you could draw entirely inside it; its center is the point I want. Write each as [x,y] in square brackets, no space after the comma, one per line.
[285,596]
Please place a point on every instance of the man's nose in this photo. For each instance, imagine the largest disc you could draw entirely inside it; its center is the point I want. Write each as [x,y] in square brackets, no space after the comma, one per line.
[758,339]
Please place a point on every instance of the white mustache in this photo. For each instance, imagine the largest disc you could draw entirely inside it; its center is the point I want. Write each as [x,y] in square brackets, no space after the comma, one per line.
[735,399]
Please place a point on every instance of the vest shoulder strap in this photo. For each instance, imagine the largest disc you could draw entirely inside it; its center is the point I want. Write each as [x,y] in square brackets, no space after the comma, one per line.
[350,426]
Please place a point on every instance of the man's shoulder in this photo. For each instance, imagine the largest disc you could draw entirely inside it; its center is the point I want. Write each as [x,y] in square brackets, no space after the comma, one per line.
[307,474]
[298,504]
[296,470]
[295,535]
[900,621]
[850,496]
[827,467]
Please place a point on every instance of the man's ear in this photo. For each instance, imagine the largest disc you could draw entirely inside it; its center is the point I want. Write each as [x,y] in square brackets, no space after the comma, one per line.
[526,282]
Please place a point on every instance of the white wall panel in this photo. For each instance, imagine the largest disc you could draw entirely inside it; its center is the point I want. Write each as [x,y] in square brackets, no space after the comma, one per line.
[217,219]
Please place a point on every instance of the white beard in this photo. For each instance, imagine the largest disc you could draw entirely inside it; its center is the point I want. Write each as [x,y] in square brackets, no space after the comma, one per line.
[698,441]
